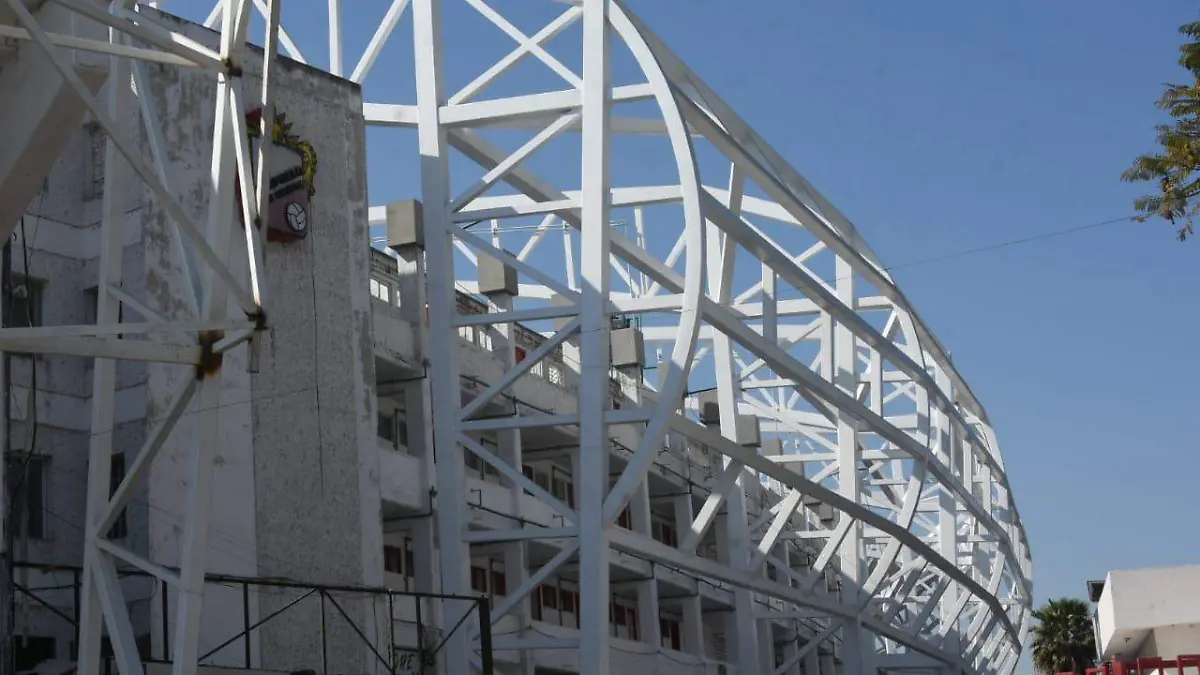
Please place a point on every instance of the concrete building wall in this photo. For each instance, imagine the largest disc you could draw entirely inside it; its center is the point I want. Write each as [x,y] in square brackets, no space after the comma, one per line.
[297,445]
[55,246]
[1150,612]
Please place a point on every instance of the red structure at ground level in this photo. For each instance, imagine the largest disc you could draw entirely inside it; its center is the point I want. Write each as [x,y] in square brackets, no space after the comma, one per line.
[1148,666]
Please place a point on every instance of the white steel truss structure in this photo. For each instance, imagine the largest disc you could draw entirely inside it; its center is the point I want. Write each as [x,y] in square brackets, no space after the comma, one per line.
[895,440]
[753,286]
[745,282]
[220,280]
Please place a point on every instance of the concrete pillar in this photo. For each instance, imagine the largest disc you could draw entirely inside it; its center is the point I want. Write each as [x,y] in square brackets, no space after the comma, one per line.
[649,629]
[508,445]
[812,663]
[692,625]
[828,665]
[419,419]
[766,646]
[789,650]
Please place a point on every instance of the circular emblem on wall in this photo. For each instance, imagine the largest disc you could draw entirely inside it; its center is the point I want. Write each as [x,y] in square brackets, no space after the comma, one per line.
[297,216]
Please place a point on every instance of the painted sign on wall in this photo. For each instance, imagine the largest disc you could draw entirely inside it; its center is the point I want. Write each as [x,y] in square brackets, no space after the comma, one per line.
[292,166]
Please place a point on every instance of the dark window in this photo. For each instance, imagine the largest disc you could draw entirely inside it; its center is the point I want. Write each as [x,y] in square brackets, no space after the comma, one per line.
[120,526]
[393,560]
[625,520]
[25,308]
[670,633]
[385,427]
[489,445]
[561,487]
[409,558]
[479,579]
[31,650]
[499,583]
[401,429]
[550,597]
[471,460]
[93,306]
[665,532]
[392,427]
[30,501]
[568,601]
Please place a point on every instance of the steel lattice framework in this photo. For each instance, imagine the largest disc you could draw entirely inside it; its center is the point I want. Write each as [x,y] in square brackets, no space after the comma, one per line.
[220,279]
[741,276]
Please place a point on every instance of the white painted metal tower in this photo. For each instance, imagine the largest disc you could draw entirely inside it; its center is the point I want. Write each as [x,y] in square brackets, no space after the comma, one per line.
[785,345]
[222,287]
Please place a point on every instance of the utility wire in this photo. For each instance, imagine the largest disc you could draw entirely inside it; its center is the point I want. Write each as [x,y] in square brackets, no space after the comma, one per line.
[1012,242]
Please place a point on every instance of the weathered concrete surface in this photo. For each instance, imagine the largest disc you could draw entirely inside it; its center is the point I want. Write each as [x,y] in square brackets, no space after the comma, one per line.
[59,237]
[39,111]
[296,477]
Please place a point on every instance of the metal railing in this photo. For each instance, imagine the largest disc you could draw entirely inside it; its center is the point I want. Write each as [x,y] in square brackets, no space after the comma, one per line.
[406,613]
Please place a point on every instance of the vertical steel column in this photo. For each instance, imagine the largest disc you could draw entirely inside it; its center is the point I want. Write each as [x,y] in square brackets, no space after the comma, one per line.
[446,400]
[827,666]
[812,662]
[857,644]
[508,445]
[649,630]
[944,439]
[719,255]
[335,37]
[222,216]
[692,619]
[410,266]
[120,106]
[594,342]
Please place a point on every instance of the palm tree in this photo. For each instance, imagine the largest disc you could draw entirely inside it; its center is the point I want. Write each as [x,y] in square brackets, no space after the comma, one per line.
[1063,640]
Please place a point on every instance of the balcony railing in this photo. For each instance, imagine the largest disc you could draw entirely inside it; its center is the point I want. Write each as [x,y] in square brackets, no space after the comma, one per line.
[385,288]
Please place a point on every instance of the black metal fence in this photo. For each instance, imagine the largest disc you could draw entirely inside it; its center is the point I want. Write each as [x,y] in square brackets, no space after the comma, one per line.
[277,618]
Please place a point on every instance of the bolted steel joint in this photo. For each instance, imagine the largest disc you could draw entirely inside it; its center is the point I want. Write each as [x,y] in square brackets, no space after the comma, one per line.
[259,317]
[232,69]
[210,359]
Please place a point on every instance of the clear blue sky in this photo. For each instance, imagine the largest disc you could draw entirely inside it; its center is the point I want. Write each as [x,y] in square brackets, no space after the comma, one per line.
[942,126]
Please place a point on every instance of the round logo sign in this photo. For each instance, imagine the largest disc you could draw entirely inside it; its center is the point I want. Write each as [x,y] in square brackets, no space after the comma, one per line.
[297,217]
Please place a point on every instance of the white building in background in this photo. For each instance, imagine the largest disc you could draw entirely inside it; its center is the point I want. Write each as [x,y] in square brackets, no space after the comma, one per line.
[1148,613]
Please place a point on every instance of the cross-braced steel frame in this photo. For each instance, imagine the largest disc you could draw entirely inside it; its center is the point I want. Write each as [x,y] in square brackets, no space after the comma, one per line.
[933,557]
[835,364]
[744,281]
[222,294]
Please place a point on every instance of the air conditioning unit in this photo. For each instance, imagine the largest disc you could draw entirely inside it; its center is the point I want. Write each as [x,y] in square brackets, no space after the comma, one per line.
[826,513]
[628,348]
[405,224]
[710,409]
[496,277]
